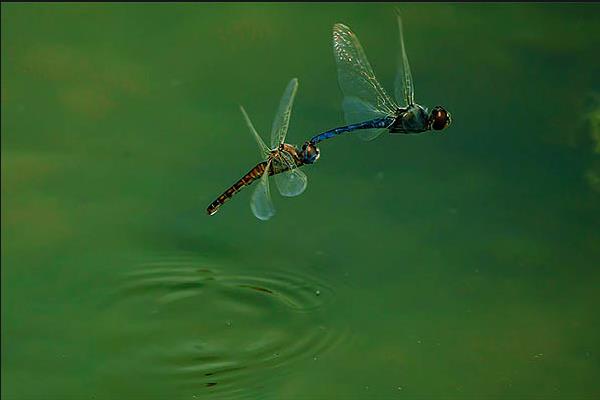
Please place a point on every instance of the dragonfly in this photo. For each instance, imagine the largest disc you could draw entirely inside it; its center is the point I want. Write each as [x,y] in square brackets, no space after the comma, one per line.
[282,160]
[367,106]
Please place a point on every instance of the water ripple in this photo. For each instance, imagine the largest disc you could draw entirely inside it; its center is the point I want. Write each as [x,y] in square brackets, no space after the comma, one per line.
[216,332]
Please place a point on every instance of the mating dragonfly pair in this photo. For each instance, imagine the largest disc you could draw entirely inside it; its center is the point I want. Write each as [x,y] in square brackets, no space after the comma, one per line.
[367,107]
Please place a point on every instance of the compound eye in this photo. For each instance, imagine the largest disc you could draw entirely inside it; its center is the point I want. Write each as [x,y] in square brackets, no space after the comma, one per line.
[311,152]
[440,118]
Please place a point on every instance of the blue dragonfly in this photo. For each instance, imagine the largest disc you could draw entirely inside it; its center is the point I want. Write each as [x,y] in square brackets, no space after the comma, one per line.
[367,106]
[282,160]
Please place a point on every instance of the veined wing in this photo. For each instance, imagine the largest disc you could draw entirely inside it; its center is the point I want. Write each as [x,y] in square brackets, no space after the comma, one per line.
[357,79]
[357,110]
[404,89]
[260,203]
[293,181]
[282,118]
[264,150]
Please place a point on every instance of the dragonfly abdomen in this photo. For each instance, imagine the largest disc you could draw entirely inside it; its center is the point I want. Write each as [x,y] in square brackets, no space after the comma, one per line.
[376,123]
[254,174]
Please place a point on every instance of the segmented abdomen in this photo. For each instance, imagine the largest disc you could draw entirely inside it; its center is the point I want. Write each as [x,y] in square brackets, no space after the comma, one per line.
[377,123]
[254,174]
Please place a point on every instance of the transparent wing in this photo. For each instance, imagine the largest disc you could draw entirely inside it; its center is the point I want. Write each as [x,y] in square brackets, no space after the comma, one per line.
[369,134]
[282,118]
[260,203]
[357,110]
[264,150]
[293,181]
[356,77]
[405,91]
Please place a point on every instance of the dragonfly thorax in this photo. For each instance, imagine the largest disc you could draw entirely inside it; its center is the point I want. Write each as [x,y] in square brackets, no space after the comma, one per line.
[283,158]
[412,119]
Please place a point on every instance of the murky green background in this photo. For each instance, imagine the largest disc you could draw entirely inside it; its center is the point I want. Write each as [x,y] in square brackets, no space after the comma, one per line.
[463,265]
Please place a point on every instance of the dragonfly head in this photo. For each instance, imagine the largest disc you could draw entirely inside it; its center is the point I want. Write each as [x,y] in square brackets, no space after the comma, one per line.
[310,153]
[439,118]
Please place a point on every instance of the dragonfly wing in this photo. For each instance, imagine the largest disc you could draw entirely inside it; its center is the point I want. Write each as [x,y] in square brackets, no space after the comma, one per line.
[370,134]
[355,74]
[293,181]
[282,118]
[261,203]
[405,91]
[264,150]
[357,110]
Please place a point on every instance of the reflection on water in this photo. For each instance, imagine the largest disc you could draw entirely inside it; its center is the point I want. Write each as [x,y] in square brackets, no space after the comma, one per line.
[215,329]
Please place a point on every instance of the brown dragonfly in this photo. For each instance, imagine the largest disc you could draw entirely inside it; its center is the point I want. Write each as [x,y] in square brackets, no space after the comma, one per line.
[282,160]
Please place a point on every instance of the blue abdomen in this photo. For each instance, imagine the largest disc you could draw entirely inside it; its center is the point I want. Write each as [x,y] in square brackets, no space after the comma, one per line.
[377,123]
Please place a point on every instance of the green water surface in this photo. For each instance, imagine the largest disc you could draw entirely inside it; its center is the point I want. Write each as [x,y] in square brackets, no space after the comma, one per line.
[454,265]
